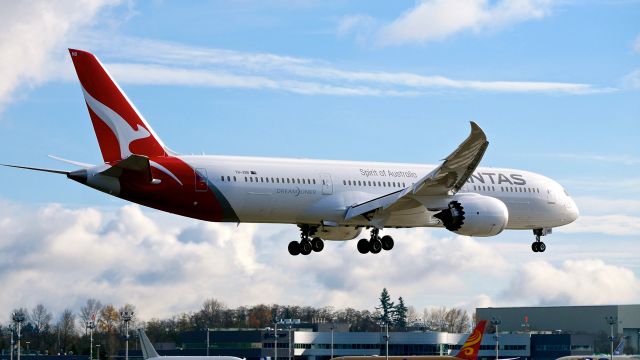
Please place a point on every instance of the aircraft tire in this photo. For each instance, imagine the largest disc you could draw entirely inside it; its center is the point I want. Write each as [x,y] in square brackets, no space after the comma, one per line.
[363,246]
[541,247]
[317,244]
[305,247]
[375,246]
[387,242]
[294,248]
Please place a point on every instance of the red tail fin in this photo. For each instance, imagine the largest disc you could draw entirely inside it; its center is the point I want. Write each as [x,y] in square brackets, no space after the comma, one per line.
[120,128]
[469,350]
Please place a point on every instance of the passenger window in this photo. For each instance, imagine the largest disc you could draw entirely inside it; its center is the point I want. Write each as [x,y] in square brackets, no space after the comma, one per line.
[222,178]
[234,179]
[344,182]
[298,181]
[288,181]
[314,181]
[359,183]
[245,179]
[228,178]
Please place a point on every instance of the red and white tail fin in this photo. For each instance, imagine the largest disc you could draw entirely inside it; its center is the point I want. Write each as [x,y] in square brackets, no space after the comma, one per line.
[469,350]
[120,128]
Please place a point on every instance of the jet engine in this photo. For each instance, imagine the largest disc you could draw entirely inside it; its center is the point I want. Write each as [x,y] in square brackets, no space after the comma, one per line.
[474,215]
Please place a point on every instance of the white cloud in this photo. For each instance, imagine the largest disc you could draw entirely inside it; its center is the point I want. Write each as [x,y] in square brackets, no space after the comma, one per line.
[433,20]
[616,225]
[632,80]
[156,62]
[32,32]
[575,282]
[68,255]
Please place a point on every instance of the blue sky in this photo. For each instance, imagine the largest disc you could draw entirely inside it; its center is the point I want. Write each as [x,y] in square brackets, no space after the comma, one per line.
[554,84]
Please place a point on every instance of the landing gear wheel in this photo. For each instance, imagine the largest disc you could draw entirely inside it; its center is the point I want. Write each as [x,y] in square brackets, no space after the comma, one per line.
[375,245]
[294,248]
[534,247]
[317,244]
[363,246]
[387,242]
[541,247]
[305,247]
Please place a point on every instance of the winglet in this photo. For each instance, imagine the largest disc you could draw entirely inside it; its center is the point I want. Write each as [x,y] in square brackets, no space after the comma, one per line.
[148,351]
[469,350]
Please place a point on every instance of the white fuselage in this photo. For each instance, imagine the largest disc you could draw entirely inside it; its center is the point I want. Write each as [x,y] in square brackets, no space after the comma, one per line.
[302,191]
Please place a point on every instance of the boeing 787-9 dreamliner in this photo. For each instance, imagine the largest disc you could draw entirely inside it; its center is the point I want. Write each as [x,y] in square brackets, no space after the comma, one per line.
[327,200]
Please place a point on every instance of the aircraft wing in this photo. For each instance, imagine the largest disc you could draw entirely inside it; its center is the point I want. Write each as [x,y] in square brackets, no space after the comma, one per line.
[446,179]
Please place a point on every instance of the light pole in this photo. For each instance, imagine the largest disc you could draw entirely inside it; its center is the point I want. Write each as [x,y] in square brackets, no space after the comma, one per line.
[97,351]
[126,317]
[27,342]
[18,317]
[638,340]
[333,327]
[496,322]
[91,325]
[275,340]
[386,338]
[11,331]
[611,320]
[208,330]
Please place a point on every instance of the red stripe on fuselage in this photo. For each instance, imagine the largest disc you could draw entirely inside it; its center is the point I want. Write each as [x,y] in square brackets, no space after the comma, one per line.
[169,195]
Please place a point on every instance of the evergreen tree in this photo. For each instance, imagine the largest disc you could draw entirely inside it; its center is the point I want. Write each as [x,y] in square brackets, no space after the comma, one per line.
[387,307]
[400,314]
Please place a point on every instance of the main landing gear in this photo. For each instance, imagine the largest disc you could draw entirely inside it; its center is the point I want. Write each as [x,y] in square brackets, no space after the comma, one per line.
[306,246]
[375,244]
[539,246]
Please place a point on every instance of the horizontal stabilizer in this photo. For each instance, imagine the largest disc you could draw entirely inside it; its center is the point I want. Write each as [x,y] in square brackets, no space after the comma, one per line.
[135,163]
[76,163]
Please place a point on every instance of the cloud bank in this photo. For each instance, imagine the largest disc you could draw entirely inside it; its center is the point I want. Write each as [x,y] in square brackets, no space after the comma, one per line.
[165,264]
[32,32]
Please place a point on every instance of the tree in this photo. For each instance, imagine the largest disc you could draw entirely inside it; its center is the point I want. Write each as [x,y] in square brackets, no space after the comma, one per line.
[66,329]
[89,311]
[41,320]
[386,305]
[400,314]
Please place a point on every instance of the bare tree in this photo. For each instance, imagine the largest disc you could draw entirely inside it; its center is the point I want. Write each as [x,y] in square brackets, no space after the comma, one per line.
[41,320]
[66,329]
[89,311]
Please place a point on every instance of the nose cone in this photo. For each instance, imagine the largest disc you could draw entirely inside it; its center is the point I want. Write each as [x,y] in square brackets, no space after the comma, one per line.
[572,210]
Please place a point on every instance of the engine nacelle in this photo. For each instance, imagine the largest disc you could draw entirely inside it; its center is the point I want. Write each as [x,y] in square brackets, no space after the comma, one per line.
[475,215]
[338,233]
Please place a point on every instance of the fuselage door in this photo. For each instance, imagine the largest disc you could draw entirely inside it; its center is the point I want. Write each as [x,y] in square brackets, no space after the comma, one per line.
[327,184]
[201,179]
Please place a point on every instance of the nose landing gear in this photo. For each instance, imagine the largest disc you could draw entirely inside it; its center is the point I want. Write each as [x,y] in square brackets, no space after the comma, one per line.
[538,245]
[375,244]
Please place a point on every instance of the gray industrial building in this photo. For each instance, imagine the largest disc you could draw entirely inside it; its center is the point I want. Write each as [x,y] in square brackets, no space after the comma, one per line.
[591,320]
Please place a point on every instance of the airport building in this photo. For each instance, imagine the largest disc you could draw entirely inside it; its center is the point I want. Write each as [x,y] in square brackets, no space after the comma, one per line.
[573,320]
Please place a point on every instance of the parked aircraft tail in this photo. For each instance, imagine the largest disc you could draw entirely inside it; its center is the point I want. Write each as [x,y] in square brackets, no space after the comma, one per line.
[148,351]
[120,128]
[469,350]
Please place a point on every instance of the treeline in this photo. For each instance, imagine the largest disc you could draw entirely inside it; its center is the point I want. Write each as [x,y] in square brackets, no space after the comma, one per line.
[68,332]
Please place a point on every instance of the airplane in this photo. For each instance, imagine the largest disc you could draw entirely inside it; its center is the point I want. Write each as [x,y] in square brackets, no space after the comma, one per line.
[327,200]
[149,352]
[468,351]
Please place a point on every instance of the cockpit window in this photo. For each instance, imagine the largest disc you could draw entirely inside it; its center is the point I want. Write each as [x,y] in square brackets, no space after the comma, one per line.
[565,192]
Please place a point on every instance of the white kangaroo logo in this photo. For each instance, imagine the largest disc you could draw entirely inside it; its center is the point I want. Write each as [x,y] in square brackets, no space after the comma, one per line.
[124,132]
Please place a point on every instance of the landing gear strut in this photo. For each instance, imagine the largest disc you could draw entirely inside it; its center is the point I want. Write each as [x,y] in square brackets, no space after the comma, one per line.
[306,246]
[538,245]
[375,244]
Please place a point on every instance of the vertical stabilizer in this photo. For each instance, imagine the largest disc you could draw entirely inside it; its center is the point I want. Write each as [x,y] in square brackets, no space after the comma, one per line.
[469,350]
[148,351]
[120,128]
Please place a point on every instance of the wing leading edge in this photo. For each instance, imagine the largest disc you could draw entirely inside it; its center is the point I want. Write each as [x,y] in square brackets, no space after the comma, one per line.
[445,180]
